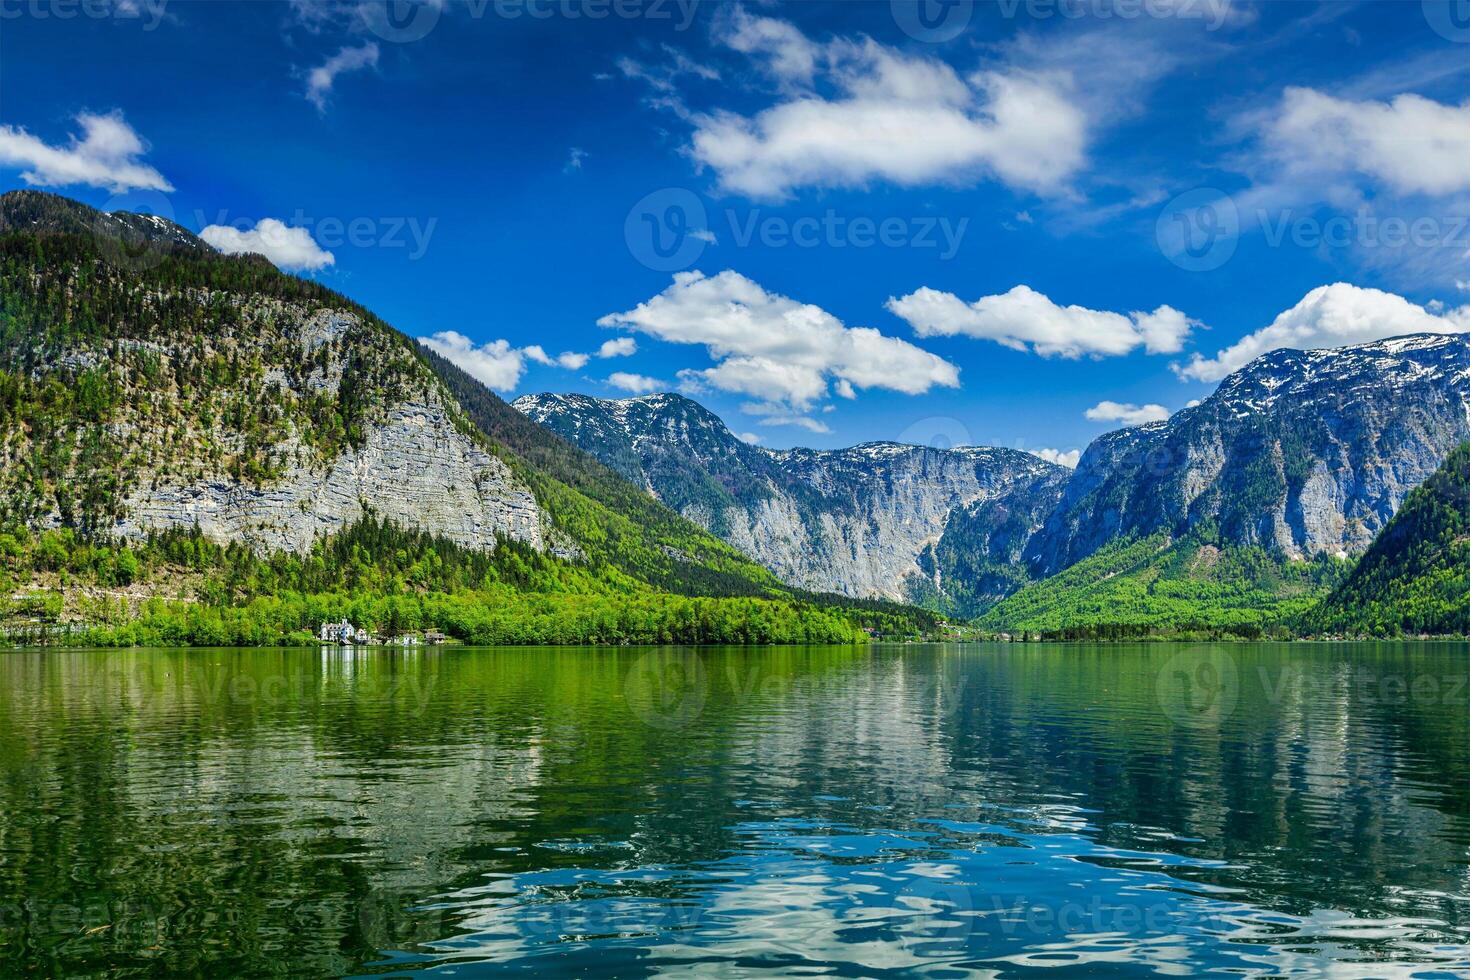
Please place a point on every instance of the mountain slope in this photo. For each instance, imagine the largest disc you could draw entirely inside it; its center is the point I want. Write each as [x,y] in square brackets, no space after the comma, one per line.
[1138,587]
[149,383]
[613,517]
[1301,452]
[866,521]
[1415,578]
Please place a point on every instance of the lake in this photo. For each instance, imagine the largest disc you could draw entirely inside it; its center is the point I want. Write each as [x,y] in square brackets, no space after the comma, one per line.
[1007,810]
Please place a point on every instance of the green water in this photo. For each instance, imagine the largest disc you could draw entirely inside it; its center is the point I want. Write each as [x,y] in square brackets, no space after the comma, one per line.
[1052,810]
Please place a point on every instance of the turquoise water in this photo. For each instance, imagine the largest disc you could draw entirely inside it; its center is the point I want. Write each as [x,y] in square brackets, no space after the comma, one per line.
[1010,811]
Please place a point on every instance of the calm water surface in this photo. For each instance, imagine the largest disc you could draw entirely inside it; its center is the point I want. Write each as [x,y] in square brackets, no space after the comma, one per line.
[1005,811]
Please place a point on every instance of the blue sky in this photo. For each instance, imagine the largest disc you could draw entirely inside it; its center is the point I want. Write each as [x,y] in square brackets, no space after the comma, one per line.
[1018,223]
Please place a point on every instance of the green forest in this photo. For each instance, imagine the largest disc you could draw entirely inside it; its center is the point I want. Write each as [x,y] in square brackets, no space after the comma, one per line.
[391,581]
[1415,579]
[1153,586]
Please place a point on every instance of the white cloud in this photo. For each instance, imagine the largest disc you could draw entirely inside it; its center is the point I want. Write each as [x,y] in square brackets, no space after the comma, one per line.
[638,384]
[752,438]
[107,155]
[286,247]
[1026,319]
[786,354]
[887,116]
[496,364]
[618,347]
[1338,315]
[1068,459]
[1410,144]
[570,360]
[787,54]
[575,160]
[319,80]
[1106,411]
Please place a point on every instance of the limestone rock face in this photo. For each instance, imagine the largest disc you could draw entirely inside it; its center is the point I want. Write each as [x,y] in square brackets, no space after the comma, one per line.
[286,424]
[1301,452]
[857,521]
[414,468]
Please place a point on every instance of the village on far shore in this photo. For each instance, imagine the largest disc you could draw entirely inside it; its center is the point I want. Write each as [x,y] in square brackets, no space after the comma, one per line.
[346,635]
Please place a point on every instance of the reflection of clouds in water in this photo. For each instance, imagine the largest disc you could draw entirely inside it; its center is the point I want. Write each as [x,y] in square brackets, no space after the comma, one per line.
[792,898]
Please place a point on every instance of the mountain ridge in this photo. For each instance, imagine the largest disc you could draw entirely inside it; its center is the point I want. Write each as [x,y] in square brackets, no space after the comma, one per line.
[866,520]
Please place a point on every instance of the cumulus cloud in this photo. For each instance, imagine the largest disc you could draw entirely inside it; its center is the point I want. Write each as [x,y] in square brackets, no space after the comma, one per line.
[638,384]
[618,347]
[1024,319]
[787,355]
[1106,411]
[570,360]
[1409,144]
[107,155]
[1338,315]
[749,437]
[496,364]
[319,80]
[1068,459]
[286,247]
[880,114]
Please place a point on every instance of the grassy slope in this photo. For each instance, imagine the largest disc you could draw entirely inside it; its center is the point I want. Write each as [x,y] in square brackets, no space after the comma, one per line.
[1153,584]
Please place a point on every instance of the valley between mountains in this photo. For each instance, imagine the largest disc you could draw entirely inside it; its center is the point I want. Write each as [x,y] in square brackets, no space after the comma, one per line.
[200,449]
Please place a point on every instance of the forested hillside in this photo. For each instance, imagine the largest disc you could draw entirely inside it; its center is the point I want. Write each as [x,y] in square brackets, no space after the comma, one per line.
[196,445]
[1154,586]
[1416,576]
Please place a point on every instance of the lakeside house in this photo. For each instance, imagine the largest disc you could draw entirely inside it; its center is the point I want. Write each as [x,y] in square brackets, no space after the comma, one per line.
[344,633]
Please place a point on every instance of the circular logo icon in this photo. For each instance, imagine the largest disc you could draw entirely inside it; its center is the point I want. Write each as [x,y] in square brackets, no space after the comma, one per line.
[667,689]
[933,21]
[401,21]
[1199,688]
[940,911]
[937,432]
[1450,19]
[135,229]
[666,231]
[1199,229]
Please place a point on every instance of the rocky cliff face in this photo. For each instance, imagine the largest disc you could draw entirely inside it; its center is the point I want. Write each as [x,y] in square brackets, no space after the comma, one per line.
[1302,452]
[147,383]
[866,521]
[409,458]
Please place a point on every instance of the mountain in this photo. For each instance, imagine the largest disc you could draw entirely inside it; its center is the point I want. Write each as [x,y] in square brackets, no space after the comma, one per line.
[1301,453]
[1140,587]
[945,527]
[149,384]
[1415,578]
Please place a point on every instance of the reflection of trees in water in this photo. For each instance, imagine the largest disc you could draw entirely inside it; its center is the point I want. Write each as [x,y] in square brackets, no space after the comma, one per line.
[1323,786]
[288,806]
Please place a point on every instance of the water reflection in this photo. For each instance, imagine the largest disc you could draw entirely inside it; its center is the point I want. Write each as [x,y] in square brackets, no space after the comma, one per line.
[1108,810]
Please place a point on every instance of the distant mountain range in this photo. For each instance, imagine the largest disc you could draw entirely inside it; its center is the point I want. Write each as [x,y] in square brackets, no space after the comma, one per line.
[1299,454]
[149,384]
[944,526]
